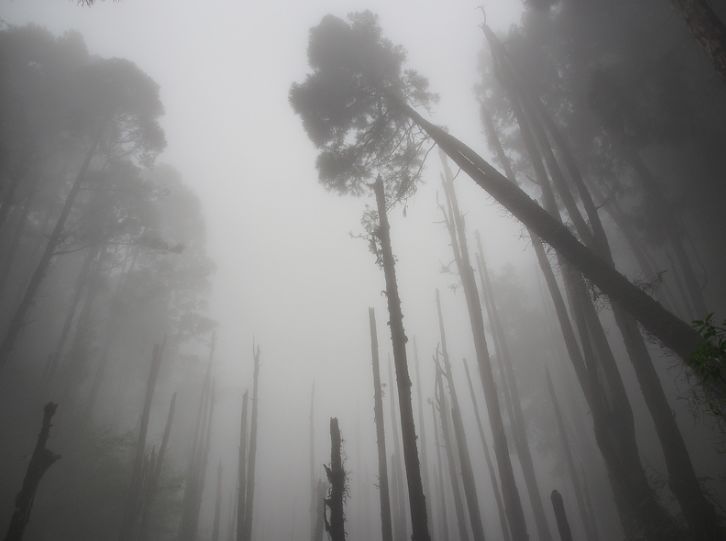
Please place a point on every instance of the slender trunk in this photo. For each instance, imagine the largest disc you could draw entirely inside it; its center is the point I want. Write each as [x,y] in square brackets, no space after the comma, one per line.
[422,432]
[385,502]
[217,504]
[155,475]
[562,524]
[242,471]
[510,493]
[417,500]
[449,445]
[335,525]
[519,430]
[18,320]
[40,461]
[506,536]
[133,496]
[467,472]
[320,515]
[708,29]
[587,520]
[444,526]
[398,492]
[250,494]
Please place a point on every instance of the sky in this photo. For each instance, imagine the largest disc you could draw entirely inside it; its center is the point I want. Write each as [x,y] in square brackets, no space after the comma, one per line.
[288,271]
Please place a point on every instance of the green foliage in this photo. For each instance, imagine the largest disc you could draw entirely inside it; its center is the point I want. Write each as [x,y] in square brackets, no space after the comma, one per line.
[345,111]
[709,359]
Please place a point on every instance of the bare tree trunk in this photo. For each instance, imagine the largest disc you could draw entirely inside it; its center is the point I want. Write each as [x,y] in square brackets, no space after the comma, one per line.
[588,521]
[467,472]
[449,445]
[320,515]
[457,231]
[490,465]
[417,500]
[385,502]
[335,526]
[422,433]
[562,524]
[398,492]
[444,526]
[242,471]
[40,461]
[132,507]
[217,504]
[18,320]
[250,495]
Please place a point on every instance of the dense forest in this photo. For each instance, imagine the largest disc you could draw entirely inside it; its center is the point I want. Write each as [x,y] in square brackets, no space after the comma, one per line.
[352,270]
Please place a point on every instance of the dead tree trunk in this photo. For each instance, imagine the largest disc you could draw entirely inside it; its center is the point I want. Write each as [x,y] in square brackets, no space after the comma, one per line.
[457,232]
[587,520]
[417,500]
[467,472]
[250,495]
[132,508]
[422,433]
[563,526]
[319,527]
[217,504]
[444,526]
[385,502]
[335,523]
[487,455]
[450,446]
[41,460]
[242,471]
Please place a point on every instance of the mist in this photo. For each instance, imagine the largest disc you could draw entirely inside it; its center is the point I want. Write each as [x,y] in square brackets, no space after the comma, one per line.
[362,270]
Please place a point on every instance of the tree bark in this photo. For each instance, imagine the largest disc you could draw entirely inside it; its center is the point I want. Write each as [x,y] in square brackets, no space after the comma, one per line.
[417,500]
[385,502]
[41,460]
[708,29]
[335,525]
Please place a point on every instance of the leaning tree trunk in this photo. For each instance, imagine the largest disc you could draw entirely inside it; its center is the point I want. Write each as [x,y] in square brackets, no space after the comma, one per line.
[250,494]
[36,279]
[417,500]
[612,417]
[512,500]
[467,472]
[335,525]
[41,460]
[708,29]
[385,501]
[673,332]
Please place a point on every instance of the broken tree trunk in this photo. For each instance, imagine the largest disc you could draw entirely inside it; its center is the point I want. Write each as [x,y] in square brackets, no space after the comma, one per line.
[562,524]
[41,460]
[385,502]
[335,523]
[417,500]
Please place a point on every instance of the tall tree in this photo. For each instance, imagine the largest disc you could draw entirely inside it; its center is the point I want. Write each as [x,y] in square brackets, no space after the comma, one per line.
[335,525]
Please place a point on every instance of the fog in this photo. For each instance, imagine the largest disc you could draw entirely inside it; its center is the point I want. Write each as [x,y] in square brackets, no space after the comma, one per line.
[171,200]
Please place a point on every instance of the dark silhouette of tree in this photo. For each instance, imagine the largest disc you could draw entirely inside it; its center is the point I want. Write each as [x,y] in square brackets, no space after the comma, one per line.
[335,521]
